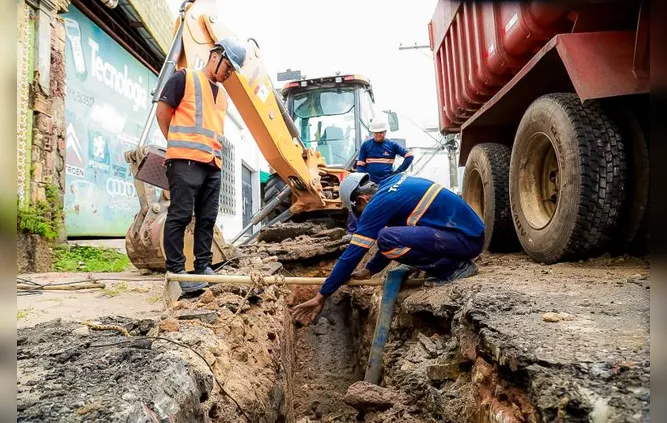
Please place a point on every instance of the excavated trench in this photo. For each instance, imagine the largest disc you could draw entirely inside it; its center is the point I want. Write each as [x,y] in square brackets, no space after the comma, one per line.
[482,350]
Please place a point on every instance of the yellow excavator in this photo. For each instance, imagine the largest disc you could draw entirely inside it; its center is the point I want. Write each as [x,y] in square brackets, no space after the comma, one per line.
[309,134]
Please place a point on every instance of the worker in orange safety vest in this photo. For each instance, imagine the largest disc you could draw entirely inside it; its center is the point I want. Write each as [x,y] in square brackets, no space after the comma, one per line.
[191,113]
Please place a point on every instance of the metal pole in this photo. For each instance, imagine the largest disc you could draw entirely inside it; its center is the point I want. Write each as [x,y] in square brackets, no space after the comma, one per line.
[291,126]
[283,217]
[391,288]
[263,212]
[274,280]
[165,73]
[414,47]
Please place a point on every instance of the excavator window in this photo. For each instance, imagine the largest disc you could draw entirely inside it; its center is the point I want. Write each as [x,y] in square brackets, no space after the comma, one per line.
[326,119]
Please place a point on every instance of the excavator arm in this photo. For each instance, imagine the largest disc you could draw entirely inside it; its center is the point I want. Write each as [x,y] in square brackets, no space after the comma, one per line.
[253,94]
[196,29]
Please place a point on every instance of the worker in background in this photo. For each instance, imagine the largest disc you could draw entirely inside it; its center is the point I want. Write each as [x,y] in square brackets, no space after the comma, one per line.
[191,114]
[414,221]
[376,157]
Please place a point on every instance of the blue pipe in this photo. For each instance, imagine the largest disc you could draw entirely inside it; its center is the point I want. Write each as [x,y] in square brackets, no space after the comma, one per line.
[390,289]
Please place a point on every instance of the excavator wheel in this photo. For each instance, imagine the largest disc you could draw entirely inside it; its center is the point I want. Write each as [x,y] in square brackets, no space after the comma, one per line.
[273,187]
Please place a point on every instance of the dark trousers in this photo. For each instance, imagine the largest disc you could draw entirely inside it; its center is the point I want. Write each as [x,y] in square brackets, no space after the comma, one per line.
[437,252]
[192,186]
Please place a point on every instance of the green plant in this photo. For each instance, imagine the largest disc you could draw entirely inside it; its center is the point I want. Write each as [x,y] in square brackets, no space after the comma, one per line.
[114,291]
[89,259]
[22,314]
[43,218]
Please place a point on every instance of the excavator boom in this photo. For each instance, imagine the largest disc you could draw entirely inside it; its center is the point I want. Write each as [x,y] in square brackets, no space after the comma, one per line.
[261,109]
[304,170]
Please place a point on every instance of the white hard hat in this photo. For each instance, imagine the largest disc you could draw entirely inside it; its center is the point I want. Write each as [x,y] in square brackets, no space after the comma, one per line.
[378,125]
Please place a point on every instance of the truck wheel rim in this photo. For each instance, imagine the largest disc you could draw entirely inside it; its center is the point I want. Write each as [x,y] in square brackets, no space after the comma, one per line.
[475,193]
[539,181]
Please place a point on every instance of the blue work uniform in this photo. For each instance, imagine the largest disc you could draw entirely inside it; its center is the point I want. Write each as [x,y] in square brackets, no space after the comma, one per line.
[415,222]
[377,159]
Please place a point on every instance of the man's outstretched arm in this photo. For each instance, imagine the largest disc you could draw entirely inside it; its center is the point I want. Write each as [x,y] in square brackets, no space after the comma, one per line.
[407,158]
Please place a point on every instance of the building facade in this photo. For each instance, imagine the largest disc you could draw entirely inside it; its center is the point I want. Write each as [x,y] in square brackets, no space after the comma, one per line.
[86,75]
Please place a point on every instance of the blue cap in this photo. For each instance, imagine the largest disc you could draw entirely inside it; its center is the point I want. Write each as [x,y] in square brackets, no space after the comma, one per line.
[233,50]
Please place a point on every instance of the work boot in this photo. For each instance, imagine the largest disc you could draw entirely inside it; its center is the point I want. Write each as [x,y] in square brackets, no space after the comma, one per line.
[466,269]
[191,287]
[407,268]
[208,271]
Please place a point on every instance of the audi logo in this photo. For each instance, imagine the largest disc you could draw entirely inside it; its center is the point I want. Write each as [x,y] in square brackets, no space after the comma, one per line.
[120,187]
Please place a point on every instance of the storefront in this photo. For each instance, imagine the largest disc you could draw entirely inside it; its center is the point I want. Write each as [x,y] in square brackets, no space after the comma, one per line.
[106,104]
[107,101]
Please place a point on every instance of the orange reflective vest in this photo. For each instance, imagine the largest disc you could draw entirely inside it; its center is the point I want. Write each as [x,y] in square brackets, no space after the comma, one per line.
[196,129]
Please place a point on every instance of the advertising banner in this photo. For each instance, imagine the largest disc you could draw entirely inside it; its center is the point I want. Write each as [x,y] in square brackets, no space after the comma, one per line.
[107,101]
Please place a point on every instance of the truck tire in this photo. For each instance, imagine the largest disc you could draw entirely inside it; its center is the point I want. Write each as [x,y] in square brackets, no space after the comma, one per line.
[567,179]
[273,187]
[486,190]
[632,234]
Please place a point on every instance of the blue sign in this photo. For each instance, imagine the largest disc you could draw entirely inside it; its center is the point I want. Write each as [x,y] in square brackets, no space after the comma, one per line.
[106,105]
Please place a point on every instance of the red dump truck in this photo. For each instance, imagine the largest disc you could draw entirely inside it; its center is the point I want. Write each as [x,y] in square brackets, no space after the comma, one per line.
[551,100]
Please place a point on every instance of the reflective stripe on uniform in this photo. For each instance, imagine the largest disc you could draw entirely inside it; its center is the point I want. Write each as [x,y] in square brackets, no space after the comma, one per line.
[396,252]
[387,161]
[199,117]
[192,130]
[423,205]
[362,241]
[192,145]
[361,163]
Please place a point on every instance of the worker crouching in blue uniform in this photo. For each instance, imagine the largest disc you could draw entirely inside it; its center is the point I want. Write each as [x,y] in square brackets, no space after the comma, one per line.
[376,157]
[414,221]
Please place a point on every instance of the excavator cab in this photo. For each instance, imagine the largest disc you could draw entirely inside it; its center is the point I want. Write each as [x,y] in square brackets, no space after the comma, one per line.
[332,115]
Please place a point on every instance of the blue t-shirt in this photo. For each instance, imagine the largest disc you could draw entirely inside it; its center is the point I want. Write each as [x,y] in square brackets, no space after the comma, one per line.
[402,200]
[377,159]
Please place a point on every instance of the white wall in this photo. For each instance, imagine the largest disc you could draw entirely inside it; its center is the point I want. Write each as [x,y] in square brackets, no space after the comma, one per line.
[246,153]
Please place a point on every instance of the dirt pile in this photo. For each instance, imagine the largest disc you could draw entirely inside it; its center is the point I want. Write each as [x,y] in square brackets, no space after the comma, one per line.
[483,349]
[67,373]
[520,342]
[70,372]
[290,242]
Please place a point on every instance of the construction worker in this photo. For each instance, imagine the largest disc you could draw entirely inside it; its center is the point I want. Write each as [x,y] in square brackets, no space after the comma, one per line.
[191,114]
[414,221]
[376,157]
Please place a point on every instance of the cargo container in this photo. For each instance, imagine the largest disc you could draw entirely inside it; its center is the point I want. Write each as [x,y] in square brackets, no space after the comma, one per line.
[551,101]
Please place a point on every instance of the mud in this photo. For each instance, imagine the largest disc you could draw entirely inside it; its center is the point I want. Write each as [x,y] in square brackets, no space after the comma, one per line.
[326,360]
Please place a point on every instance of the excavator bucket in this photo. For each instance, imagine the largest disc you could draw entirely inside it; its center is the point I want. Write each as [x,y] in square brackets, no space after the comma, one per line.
[144,240]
